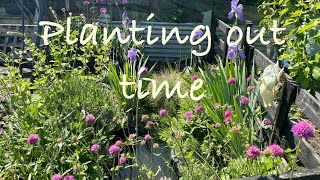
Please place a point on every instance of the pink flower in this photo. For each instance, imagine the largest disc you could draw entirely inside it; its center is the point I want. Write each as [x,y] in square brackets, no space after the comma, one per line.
[250,88]
[234,129]
[33,139]
[95,148]
[103,10]
[303,129]
[114,149]
[69,178]
[217,125]
[144,117]
[231,80]
[56,177]
[90,119]
[143,70]
[228,113]
[198,109]
[84,3]
[266,122]
[124,1]
[122,160]
[99,1]
[216,105]
[163,112]
[227,120]
[147,137]
[249,79]
[143,142]
[188,115]
[149,123]
[253,152]
[119,143]
[244,100]
[276,150]
[194,77]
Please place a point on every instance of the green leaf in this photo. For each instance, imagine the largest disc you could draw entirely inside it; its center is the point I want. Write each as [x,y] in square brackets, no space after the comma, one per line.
[316,72]
[307,27]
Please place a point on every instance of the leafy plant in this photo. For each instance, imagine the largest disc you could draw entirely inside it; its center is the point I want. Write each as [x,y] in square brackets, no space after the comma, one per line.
[302,19]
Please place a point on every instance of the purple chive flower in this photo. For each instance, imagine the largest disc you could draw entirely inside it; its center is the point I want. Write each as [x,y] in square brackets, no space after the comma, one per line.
[232,52]
[125,19]
[227,120]
[144,117]
[249,78]
[124,1]
[103,10]
[231,80]
[119,143]
[276,150]
[132,54]
[114,149]
[99,1]
[198,110]
[228,113]
[303,129]
[163,112]
[86,3]
[143,70]
[266,122]
[69,178]
[90,119]
[216,105]
[149,123]
[188,115]
[197,35]
[253,152]
[116,2]
[244,100]
[33,139]
[56,177]
[236,9]
[122,160]
[217,125]
[95,148]
[194,77]
[147,137]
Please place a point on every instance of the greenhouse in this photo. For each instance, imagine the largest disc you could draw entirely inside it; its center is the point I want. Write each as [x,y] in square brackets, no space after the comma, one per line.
[161,90]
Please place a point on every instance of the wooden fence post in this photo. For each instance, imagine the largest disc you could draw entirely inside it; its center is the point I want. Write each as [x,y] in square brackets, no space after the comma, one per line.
[289,94]
[209,19]
[247,48]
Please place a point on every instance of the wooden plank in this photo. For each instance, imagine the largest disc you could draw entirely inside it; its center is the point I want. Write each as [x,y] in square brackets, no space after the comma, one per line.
[261,60]
[310,174]
[222,26]
[310,106]
[308,155]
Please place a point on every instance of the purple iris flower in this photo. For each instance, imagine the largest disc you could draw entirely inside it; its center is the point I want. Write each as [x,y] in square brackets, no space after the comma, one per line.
[125,19]
[132,54]
[233,50]
[236,9]
[197,35]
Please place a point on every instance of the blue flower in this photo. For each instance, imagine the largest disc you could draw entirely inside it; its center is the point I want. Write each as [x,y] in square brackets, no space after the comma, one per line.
[132,54]
[125,19]
[197,35]
[232,52]
[236,9]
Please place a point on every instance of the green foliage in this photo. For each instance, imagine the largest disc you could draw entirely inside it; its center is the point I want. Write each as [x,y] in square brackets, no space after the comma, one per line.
[56,112]
[302,19]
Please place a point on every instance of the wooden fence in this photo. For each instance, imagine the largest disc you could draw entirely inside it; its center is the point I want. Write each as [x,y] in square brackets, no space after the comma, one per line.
[291,94]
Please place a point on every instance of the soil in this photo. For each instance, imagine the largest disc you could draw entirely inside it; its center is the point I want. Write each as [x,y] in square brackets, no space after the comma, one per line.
[314,142]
